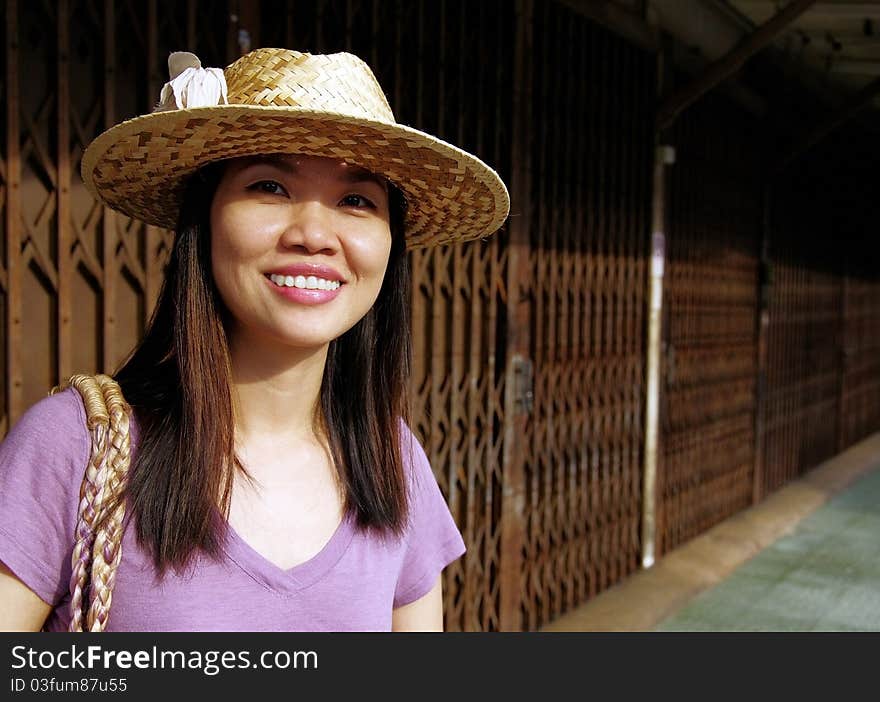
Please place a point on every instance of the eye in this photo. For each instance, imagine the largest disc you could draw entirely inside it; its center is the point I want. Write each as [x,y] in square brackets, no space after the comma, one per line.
[270,187]
[358,201]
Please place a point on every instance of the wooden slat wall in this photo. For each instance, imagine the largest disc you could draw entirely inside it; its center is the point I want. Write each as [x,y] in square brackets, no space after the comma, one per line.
[803,371]
[78,281]
[11,159]
[823,372]
[590,222]
[860,383]
[33,237]
[857,212]
[710,342]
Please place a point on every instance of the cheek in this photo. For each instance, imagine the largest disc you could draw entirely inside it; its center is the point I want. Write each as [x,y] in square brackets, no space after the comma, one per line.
[371,253]
[235,239]
[223,260]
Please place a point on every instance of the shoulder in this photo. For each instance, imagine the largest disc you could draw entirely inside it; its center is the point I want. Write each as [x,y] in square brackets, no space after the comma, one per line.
[426,498]
[416,465]
[52,431]
[411,449]
[65,407]
[60,417]
[42,460]
[432,539]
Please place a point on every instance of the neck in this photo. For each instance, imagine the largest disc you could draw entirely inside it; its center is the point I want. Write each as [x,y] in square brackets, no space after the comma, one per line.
[276,389]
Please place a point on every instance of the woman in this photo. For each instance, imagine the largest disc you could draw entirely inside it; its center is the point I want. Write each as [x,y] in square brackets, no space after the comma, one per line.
[275,484]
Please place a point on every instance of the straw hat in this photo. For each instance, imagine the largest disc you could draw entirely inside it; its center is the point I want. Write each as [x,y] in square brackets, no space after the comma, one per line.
[282,101]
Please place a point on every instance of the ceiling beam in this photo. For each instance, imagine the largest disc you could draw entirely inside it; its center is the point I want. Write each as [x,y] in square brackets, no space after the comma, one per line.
[855,67]
[730,63]
[846,10]
[821,130]
[620,20]
[824,8]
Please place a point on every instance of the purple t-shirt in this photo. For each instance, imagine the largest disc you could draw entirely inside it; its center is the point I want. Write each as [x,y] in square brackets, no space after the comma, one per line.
[352,584]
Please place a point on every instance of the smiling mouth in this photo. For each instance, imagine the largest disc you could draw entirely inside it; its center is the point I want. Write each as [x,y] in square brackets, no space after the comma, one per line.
[304,282]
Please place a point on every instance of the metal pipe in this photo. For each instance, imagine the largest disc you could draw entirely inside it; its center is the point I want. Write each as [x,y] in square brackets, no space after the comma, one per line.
[663,155]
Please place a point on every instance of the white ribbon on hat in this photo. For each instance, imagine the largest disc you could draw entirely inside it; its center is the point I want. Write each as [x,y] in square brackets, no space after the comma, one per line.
[190,84]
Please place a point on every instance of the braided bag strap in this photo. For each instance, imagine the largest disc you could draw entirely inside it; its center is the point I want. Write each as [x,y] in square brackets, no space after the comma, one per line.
[97,552]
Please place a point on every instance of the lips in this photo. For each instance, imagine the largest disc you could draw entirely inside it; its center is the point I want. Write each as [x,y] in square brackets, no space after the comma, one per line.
[307,269]
[301,294]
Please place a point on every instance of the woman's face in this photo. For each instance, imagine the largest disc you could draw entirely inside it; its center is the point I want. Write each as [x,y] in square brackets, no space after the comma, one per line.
[299,246]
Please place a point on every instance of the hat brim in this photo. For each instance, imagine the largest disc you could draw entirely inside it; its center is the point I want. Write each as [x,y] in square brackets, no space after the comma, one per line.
[140,167]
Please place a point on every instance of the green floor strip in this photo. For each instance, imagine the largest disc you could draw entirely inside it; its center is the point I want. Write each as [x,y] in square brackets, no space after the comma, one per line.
[825,576]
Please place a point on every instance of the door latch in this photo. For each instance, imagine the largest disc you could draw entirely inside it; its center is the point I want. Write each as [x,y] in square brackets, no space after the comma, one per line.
[523,377]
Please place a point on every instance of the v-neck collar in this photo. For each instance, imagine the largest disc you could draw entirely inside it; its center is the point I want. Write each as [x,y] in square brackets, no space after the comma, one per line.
[261,569]
[291,580]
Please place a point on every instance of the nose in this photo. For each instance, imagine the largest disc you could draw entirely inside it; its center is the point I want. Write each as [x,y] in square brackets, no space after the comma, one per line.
[310,228]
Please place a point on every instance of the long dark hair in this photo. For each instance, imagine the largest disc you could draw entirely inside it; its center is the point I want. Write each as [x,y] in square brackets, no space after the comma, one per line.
[177,381]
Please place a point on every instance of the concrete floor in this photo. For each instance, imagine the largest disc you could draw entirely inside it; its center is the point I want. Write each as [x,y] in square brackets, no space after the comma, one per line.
[807,558]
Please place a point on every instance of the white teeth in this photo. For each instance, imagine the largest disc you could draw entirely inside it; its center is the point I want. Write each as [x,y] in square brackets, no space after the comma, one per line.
[300,281]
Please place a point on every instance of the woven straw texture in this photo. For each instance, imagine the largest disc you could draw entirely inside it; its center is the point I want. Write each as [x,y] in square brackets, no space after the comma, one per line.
[287,102]
[98,551]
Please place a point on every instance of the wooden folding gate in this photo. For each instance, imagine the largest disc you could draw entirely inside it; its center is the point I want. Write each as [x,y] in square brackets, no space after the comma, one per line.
[591,195]
[823,337]
[801,412]
[708,394]
[860,383]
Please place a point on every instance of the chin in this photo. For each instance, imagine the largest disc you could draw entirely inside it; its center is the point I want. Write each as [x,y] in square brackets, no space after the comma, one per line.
[298,334]
[308,340]
[305,343]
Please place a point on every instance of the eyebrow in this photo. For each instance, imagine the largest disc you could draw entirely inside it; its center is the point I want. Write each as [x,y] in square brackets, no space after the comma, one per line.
[352,174]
